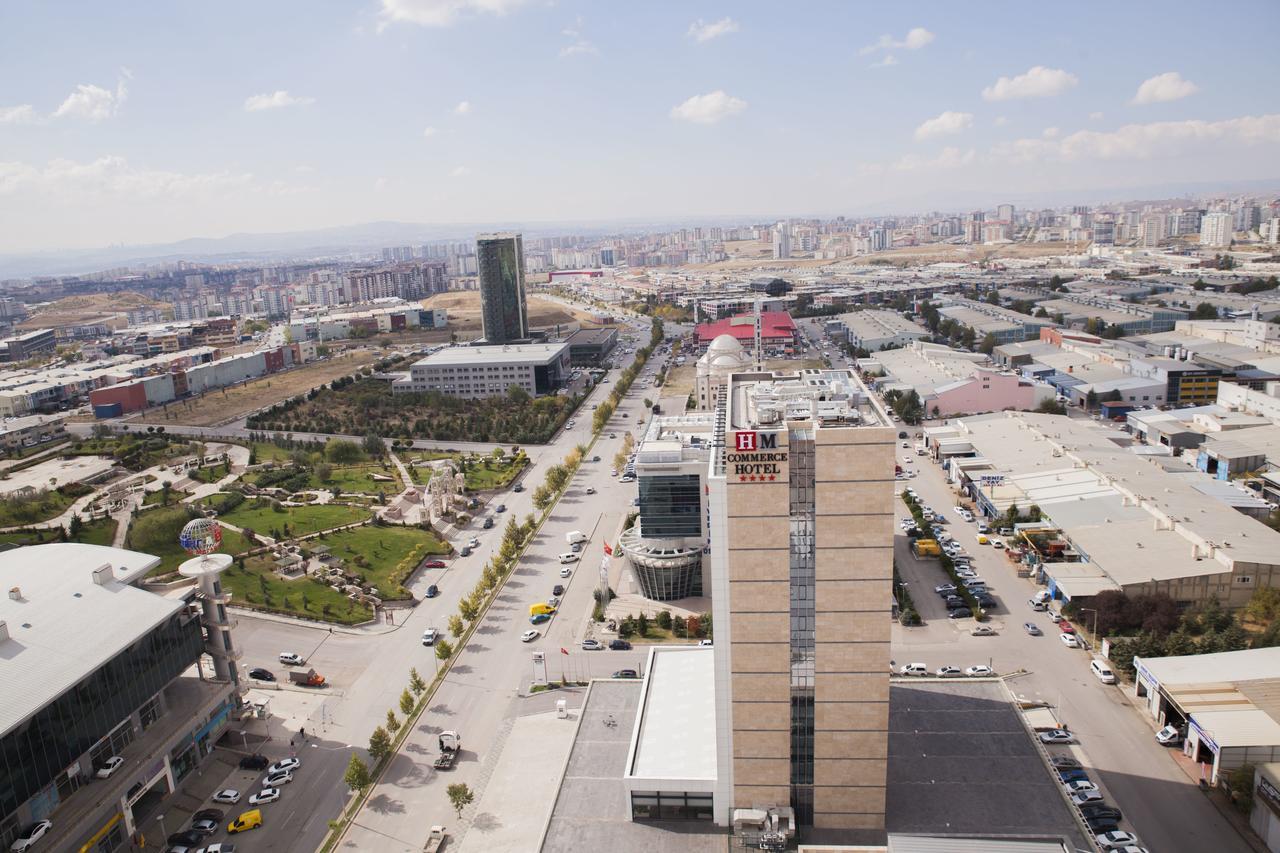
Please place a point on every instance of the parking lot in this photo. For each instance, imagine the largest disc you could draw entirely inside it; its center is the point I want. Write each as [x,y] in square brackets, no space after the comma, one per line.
[1115,747]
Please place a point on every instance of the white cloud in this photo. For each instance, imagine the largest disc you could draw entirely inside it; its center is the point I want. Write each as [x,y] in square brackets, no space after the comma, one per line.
[889,60]
[1037,82]
[1095,116]
[439,13]
[945,124]
[581,47]
[274,101]
[709,108]
[94,103]
[1001,121]
[1050,133]
[1149,141]
[22,114]
[913,40]
[113,175]
[1169,86]
[459,172]
[701,31]
[379,185]
[429,132]
[948,158]
[462,108]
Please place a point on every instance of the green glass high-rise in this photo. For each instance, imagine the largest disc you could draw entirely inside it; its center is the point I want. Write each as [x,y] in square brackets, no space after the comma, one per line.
[500,262]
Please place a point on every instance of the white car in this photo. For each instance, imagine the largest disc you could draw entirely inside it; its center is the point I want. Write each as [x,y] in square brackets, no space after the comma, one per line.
[568,557]
[275,780]
[473,542]
[1085,797]
[227,796]
[111,765]
[29,836]
[1057,736]
[291,659]
[565,572]
[1116,840]
[947,671]
[914,669]
[1079,785]
[980,670]
[1069,640]
[284,764]
[430,636]
[529,636]
[266,795]
[1169,736]
[997,544]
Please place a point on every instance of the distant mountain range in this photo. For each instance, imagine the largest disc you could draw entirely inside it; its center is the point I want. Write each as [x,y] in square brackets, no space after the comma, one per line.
[352,242]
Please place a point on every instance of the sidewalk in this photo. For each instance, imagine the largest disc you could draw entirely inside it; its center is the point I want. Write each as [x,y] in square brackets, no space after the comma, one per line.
[367,630]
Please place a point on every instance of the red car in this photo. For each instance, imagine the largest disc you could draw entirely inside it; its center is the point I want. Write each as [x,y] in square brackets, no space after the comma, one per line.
[434,564]
[1066,627]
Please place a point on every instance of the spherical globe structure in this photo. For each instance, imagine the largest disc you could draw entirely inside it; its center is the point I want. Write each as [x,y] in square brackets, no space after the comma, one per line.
[201,536]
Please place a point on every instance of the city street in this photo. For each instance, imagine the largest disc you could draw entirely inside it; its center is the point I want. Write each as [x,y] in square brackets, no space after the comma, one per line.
[1117,747]
[367,671]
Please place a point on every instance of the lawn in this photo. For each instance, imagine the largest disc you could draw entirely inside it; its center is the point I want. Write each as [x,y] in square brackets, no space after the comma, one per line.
[42,506]
[156,532]
[265,451]
[483,472]
[256,586]
[99,532]
[261,516]
[358,478]
[211,474]
[384,556]
[158,497]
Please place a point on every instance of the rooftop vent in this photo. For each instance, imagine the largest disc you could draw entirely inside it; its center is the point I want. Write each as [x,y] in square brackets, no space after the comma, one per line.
[15,593]
[4,630]
[103,574]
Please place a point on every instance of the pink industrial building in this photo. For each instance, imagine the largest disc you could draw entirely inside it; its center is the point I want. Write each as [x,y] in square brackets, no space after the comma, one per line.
[987,390]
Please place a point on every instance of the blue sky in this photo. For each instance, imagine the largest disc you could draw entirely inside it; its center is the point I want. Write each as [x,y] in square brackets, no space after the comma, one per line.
[127,122]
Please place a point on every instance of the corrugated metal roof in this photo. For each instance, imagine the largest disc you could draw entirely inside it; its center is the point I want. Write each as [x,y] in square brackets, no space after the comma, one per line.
[955,844]
[64,625]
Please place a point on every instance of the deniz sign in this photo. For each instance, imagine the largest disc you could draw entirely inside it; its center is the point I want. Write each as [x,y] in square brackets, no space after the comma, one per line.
[757,458]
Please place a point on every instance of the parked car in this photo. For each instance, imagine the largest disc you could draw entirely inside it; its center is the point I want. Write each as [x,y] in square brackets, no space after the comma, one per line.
[1169,736]
[945,589]
[434,564]
[519,487]
[205,826]
[979,671]
[539,618]
[1092,812]
[947,671]
[913,669]
[291,659]
[254,762]
[218,847]
[432,591]
[565,572]
[569,557]
[591,490]
[1079,785]
[530,635]
[1064,762]
[29,836]
[275,780]
[208,814]
[1084,797]
[983,631]
[430,636]
[1057,736]
[1102,671]
[186,838]
[266,795]
[284,764]
[592,645]
[1072,774]
[620,646]
[251,819]
[1069,640]
[111,765]
[626,673]
[1117,840]
[1032,629]
[260,674]
[1066,627]
[960,613]
[558,589]
[229,796]
[1104,824]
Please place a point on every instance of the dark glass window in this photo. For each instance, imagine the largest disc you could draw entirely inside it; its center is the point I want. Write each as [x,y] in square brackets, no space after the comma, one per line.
[670,506]
[33,754]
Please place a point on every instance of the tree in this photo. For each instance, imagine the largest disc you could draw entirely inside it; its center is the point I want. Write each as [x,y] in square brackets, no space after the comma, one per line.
[988,344]
[1050,406]
[456,625]
[374,446]
[1205,311]
[342,452]
[444,649]
[357,776]
[460,796]
[416,684]
[324,472]
[406,702]
[393,724]
[1263,606]
[1091,400]
[517,396]
[379,744]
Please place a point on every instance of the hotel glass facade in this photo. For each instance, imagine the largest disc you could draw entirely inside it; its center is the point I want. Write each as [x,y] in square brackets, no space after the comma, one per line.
[500,261]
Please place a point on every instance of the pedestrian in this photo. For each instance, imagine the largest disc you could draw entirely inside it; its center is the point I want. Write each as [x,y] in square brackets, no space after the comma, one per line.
[303,732]
[291,743]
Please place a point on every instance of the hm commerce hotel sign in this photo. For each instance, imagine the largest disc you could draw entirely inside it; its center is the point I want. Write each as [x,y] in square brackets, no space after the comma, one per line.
[756,458]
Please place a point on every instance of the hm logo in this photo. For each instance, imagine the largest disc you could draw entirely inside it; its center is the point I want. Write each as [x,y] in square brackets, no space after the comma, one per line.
[752,441]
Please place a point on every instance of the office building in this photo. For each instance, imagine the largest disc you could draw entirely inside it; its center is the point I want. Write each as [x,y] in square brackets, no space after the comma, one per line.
[93,666]
[590,347]
[801,505]
[28,345]
[489,371]
[1153,230]
[1004,213]
[874,330]
[1216,229]
[664,546]
[502,301]
[782,241]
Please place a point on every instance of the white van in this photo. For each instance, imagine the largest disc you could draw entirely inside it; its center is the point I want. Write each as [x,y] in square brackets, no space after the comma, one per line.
[914,669]
[1102,670]
[573,537]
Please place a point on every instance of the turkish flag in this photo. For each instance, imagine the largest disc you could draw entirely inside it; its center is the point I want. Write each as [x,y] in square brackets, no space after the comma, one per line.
[607,549]
[563,650]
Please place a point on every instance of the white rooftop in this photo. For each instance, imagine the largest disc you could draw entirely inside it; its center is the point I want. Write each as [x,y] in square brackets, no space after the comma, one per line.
[65,626]
[1247,665]
[675,734]
[498,354]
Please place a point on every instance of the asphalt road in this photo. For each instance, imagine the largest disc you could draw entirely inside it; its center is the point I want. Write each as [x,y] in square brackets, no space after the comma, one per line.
[367,672]
[1166,811]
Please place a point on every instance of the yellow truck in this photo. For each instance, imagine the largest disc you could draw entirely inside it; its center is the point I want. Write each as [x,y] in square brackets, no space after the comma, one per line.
[925,548]
[535,609]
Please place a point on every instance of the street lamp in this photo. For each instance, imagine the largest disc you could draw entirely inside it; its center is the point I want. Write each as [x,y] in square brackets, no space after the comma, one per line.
[1095,620]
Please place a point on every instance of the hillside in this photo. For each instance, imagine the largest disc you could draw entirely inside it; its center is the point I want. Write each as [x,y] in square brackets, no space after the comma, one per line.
[464,310]
[87,308]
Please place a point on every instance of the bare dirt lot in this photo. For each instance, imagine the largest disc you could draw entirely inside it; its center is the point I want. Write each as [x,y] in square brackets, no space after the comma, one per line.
[228,404]
[464,311]
[97,307]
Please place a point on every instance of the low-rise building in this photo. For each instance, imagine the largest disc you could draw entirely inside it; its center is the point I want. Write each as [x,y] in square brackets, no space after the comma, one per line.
[28,345]
[19,433]
[778,331]
[475,372]
[876,330]
[1003,325]
[590,347]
